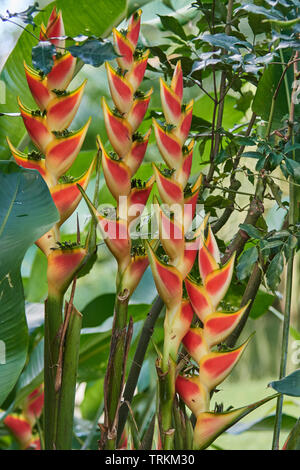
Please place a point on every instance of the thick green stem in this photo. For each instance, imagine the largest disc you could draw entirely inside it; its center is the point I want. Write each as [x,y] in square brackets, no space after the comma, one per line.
[65,413]
[53,324]
[114,377]
[166,383]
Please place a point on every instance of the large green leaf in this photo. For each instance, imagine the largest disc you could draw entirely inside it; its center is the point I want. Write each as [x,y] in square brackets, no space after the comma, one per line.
[79,18]
[27,211]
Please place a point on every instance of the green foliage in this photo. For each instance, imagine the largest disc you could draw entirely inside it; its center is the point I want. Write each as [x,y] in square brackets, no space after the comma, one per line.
[94,52]
[26,213]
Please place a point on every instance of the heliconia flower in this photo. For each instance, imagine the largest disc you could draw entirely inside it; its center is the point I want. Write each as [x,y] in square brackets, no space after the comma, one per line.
[134,27]
[136,74]
[171,104]
[118,130]
[212,246]
[121,91]
[42,87]
[167,278]
[20,428]
[190,203]
[62,109]
[218,326]
[125,49]
[135,156]
[183,128]
[169,146]
[210,425]
[134,272]
[215,366]
[63,263]
[138,111]
[36,126]
[177,81]
[183,173]
[62,72]
[116,173]
[178,326]
[217,282]
[55,28]
[62,151]
[171,234]
[38,87]
[67,196]
[185,263]
[193,393]
[199,298]
[23,160]
[207,263]
[170,191]
[137,200]
[195,343]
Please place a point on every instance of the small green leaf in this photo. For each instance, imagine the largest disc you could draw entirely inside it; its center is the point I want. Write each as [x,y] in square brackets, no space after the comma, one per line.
[289,385]
[224,41]
[42,56]
[251,231]
[94,52]
[246,261]
[252,154]
[274,271]
[261,304]
[172,24]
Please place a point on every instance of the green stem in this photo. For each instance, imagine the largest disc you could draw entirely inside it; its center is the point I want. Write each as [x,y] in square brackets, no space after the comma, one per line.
[137,362]
[289,278]
[115,370]
[166,378]
[53,324]
[68,385]
[284,349]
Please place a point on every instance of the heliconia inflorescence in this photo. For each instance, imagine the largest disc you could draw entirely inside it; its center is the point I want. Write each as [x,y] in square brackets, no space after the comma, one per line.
[21,425]
[180,198]
[174,218]
[200,342]
[57,147]
[129,147]
[171,270]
